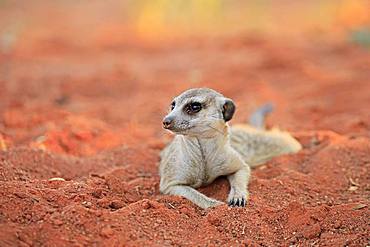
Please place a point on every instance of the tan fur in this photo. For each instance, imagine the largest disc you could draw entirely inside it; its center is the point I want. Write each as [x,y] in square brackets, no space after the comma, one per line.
[257,146]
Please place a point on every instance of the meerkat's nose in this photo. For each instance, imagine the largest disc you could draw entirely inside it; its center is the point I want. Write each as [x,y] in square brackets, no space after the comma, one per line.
[167,122]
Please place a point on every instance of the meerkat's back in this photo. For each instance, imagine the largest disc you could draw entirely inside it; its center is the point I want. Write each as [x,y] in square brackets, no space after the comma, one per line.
[257,146]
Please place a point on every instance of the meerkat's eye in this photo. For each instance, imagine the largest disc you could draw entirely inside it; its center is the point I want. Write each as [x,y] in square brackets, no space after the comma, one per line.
[196,106]
[193,107]
[173,105]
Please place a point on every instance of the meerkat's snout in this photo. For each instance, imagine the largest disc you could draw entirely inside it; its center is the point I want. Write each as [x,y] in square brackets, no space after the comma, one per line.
[168,122]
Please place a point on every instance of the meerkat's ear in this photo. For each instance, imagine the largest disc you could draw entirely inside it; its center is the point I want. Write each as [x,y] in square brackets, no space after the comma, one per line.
[228,109]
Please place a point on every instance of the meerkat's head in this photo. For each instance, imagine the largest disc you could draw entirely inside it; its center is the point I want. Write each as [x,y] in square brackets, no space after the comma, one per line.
[199,112]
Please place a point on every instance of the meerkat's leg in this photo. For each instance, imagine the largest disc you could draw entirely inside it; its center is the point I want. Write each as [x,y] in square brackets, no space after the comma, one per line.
[238,195]
[193,195]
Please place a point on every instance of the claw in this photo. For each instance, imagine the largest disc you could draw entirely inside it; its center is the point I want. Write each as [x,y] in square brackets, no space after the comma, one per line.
[242,203]
[238,202]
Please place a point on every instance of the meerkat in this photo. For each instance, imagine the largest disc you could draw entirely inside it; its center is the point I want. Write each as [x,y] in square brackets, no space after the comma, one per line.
[205,147]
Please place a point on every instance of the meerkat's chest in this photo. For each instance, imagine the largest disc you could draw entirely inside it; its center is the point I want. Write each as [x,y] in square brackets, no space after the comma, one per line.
[191,162]
[195,170]
[207,164]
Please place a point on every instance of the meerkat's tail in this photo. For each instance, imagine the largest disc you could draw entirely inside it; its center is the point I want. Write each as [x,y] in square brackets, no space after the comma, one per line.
[256,144]
[257,118]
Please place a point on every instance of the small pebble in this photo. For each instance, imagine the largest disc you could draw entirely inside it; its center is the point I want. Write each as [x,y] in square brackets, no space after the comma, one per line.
[116,204]
[58,222]
[87,204]
[185,210]
[21,195]
[146,204]
[98,193]
[312,231]
[98,213]
[337,224]
[56,179]
[106,232]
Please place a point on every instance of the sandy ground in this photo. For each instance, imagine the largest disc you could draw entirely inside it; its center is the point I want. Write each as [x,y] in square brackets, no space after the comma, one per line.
[92,116]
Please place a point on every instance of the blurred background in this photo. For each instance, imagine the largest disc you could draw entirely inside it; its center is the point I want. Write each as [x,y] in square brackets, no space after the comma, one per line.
[81,76]
[113,22]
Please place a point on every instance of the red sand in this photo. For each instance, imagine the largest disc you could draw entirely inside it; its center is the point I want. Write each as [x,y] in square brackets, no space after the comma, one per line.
[93,117]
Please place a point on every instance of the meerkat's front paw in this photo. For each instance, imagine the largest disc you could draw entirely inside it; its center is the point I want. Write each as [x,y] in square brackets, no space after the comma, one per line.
[237,202]
[237,199]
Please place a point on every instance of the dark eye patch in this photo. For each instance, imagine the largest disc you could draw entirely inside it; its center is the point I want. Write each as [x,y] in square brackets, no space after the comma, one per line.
[173,104]
[193,107]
